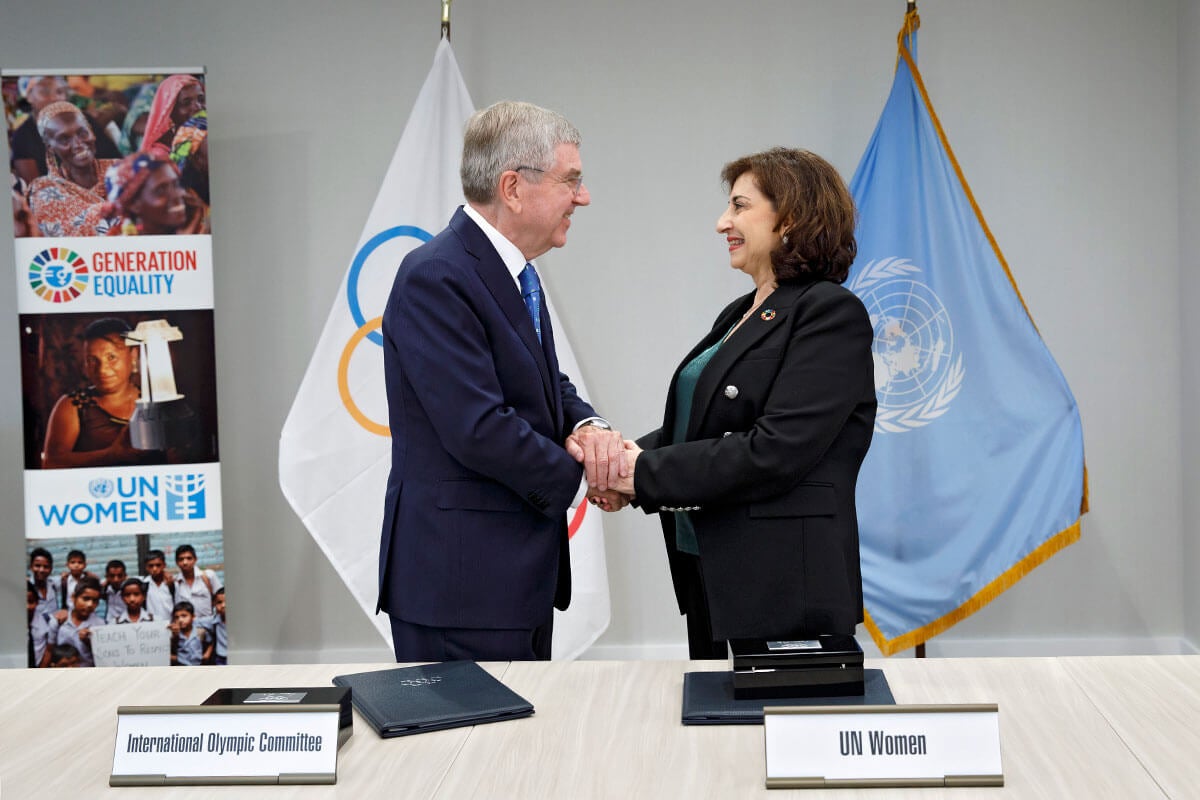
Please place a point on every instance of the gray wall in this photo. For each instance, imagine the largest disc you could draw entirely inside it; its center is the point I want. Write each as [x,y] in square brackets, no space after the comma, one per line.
[1189,276]
[1065,115]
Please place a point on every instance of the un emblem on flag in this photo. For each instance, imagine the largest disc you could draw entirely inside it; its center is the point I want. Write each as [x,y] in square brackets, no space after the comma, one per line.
[917,370]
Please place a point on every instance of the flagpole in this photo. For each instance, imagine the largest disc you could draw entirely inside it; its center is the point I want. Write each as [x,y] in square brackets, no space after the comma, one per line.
[446,19]
[911,8]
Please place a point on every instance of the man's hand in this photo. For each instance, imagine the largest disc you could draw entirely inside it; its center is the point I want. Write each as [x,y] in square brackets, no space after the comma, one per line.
[602,454]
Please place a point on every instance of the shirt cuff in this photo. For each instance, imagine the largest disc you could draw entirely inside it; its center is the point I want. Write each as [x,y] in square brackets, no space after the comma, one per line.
[581,494]
[586,420]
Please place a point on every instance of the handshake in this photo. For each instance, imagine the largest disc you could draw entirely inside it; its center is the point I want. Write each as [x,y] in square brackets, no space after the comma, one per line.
[608,464]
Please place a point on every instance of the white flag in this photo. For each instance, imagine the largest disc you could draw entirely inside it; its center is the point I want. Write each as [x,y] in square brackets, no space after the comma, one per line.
[335,450]
[587,617]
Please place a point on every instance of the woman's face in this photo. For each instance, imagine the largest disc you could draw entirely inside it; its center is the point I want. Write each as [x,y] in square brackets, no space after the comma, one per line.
[46,91]
[108,364]
[159,206]
[70,138]
[749,227]
[188,103]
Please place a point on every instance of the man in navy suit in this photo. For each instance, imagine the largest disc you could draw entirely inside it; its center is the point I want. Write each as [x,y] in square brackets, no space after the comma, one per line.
[487,435]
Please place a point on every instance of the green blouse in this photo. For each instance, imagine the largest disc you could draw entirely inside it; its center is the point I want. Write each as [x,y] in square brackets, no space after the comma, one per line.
[685,390]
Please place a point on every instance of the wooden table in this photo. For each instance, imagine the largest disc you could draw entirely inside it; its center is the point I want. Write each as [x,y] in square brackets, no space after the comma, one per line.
[1121,727]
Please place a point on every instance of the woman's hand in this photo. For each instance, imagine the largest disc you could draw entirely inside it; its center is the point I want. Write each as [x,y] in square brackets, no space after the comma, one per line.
[121,450]
[624,484]
[610,500]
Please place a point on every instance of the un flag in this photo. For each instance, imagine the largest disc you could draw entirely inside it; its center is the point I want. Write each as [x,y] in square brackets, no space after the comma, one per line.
[976,474]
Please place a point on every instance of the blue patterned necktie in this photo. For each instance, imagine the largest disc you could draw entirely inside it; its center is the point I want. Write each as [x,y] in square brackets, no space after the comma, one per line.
[531,290]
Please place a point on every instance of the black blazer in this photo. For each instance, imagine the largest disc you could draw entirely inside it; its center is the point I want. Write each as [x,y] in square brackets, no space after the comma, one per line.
[781,420]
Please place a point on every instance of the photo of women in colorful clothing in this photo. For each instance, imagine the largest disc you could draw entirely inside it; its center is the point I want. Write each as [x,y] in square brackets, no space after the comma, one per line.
[108,155]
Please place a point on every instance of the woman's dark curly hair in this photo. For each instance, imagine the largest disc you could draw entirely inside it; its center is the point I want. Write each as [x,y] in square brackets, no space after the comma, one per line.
[815,210]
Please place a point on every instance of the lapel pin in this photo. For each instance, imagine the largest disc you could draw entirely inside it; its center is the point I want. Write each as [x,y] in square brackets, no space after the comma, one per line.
[767,315]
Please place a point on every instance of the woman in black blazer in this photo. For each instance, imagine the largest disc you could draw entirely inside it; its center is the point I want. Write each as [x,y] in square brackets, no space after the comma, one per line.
[768,418]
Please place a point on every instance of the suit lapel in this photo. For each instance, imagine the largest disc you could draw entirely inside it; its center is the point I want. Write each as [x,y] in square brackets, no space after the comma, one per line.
[503,289]
[782,303]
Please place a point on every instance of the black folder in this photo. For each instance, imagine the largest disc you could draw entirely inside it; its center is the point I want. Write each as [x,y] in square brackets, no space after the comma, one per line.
[708,699]
[431,697]
[267,699]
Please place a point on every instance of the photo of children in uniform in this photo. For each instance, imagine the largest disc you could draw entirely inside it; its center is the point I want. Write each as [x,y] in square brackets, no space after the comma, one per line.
[82,376]
[108,155]
[187,599]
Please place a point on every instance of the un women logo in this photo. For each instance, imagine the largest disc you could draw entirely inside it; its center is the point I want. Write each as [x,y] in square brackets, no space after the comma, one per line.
[917,370]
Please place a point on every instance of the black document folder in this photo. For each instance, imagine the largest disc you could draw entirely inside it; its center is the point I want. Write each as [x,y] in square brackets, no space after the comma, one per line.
[431,697]
[708,699]
[268,699]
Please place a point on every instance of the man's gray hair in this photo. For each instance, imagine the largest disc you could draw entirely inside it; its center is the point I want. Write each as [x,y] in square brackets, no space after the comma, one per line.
[508,135]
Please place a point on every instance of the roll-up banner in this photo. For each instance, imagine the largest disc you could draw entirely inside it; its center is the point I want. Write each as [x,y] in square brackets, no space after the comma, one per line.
[114,281]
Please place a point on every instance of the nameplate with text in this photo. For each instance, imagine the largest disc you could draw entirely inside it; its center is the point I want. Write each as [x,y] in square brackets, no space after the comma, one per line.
[824,747]
[209,745]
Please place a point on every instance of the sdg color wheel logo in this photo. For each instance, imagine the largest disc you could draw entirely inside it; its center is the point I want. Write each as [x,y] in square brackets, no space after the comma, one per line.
[58,275]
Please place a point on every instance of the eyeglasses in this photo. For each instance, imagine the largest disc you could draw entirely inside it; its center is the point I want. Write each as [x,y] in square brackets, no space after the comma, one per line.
[575,184]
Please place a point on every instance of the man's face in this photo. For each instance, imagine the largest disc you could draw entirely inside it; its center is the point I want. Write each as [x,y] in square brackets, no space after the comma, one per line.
[186,562]
[133,597]
[76,565]
[548,199]
[40,568]
[155,567]
[115,575]
[86,602]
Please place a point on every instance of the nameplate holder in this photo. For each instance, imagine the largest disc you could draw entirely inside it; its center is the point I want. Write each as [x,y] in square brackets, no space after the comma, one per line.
[214,745]
[825,747]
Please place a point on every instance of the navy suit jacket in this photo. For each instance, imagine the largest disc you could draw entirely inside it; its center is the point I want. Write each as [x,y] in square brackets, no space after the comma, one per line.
[474,527]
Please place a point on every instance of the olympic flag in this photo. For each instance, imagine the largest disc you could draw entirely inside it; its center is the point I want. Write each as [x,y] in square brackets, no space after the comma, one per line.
[976,474]
[334,451]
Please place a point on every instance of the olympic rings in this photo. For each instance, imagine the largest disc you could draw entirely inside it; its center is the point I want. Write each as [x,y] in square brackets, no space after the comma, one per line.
[360,259]
[343,379]
[366,329]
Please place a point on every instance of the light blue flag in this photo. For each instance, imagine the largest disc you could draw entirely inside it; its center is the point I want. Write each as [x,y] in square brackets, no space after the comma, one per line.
[976,474]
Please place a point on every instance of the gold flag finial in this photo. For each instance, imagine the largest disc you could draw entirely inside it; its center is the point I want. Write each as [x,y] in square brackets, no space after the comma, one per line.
[446,19]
